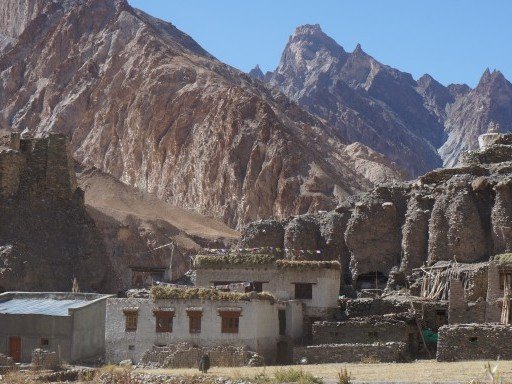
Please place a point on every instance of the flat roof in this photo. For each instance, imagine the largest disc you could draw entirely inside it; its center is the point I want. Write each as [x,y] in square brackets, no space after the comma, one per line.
[50,307]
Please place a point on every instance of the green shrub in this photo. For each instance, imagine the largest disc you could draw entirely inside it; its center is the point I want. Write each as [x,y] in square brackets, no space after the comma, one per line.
[293,375]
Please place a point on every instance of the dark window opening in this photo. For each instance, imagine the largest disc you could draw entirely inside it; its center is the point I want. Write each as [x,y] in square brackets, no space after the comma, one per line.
[303,291]
[45,343]
[441,317]
[2,289]
[131,347]
[373,335]
[473,339]
[230,321]
[131,319]
[194,321]
[258,286]
[282,322]
[371,280]
[164,320]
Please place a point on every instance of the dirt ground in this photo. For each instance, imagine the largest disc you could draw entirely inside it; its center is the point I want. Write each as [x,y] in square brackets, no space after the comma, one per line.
[421,371]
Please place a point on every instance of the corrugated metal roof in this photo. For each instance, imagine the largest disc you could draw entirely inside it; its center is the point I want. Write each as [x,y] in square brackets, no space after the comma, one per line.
[48,307]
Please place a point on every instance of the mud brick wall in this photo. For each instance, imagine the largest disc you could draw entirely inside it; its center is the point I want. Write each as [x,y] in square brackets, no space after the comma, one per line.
[461,311]
[362,331]
[351,353]
[474,342]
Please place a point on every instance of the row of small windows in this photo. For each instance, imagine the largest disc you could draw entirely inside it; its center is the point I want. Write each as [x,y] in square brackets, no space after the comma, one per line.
[164,321]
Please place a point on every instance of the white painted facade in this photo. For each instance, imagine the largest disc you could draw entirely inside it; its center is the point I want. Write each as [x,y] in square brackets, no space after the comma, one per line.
[281,283]
[258,326]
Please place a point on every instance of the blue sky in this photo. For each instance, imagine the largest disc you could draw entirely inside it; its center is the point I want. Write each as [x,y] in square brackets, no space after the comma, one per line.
[453,40]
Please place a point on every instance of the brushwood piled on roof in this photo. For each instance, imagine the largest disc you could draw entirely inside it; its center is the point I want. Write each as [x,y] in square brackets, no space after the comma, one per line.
[259,260]
[171,293]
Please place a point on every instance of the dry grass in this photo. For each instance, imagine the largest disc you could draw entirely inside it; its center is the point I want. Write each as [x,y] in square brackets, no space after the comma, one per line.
[421,371]
[307,265]
[233,260]
[160,292]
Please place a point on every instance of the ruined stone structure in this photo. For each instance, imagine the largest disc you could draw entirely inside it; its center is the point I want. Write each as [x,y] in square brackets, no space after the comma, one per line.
[46,236]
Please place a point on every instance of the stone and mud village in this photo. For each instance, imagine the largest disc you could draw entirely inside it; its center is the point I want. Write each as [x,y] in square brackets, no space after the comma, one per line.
[240,228]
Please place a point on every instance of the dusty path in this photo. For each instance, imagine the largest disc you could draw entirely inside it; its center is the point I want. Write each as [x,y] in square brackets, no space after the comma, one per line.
[424,371]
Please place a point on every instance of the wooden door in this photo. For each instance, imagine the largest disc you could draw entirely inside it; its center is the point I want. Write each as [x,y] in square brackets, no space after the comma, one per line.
[15,348]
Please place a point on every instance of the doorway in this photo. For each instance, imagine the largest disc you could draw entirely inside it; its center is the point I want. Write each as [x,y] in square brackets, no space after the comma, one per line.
[15,348]
[282,353]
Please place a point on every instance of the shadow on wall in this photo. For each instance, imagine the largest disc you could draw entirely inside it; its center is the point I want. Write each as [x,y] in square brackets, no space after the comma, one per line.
[371,280]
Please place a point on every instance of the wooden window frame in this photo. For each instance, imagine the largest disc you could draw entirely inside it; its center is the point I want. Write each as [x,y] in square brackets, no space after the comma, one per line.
[131,320]
[167,318]
[299,288]
[230,321]
[194,321]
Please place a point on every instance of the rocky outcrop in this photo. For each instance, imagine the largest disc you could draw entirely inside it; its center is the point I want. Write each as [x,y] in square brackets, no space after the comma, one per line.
[145,103]
[47,239]
[456,214]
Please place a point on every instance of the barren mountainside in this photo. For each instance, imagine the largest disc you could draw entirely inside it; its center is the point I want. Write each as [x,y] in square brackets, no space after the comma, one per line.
[418,124]
[145,103]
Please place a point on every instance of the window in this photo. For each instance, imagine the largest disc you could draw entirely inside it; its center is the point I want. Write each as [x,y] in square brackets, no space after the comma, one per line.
[131,347]
[194,321]
[441,317]
[163,320]
[258,286]
[230,321]
[473,339]
[45,343]
[303,291]
[131,318]
[504,277]
[282,322]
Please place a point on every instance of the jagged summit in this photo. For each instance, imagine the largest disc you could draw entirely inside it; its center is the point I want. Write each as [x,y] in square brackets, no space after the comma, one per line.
[256,72]
[491,80]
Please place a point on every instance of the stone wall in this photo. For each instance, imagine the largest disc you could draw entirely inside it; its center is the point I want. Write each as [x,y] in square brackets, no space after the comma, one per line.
[364,331]
[370,307]
[187,355]
[474,342]
[351,353]
[42,359]
[6,362]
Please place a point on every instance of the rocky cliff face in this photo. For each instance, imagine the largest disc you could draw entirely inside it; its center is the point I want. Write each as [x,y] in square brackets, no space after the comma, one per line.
[46,236]
[455,214]
[418,124]
[145,103]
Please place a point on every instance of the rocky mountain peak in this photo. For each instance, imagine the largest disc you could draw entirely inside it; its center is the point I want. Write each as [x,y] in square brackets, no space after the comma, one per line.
[256,73]
[491,81]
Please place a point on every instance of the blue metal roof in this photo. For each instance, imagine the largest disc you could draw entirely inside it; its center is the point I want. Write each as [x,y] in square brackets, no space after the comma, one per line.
[50,307]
